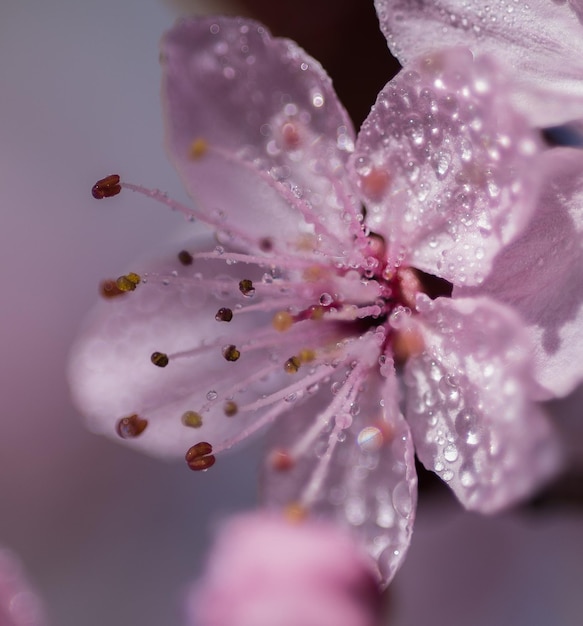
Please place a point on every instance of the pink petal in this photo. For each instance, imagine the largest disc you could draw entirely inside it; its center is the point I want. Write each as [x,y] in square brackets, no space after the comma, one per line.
[540,275]
[469,408]
[266,570]
[270,136]
[445,165]
[19,605]
[540,42]
[359,469]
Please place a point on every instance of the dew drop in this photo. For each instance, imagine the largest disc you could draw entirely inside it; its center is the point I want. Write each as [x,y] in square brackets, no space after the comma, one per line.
[467,426]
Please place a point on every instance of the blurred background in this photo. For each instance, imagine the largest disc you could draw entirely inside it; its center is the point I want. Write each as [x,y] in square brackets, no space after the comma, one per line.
[112,537]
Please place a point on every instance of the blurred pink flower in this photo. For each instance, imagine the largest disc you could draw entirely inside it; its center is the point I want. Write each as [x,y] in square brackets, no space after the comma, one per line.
[309,309]
[266,570]
[19,604]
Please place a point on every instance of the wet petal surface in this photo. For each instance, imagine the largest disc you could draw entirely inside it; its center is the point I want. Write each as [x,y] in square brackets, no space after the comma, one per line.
[469,408]
[539,41]
[445,165]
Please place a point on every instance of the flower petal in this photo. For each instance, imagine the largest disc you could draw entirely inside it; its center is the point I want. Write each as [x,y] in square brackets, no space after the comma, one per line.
[468,404]
[540,42]
[266,570]
[445,165]
[540,274]
[258,135]
[359,468]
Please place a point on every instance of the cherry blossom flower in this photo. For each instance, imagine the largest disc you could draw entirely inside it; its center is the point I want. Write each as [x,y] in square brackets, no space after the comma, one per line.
[305,309]
[268,570]
[19,605]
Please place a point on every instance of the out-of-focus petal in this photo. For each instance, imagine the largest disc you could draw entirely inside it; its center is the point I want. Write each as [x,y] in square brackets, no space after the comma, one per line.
[258,135]
[469,408]
[539,41]
[541,274]
[267,570]
[19,604]
[445,166]
[358,468]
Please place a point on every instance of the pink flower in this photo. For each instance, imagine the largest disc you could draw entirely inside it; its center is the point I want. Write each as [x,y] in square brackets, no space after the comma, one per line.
[266,570]
[19,605]
[313,312]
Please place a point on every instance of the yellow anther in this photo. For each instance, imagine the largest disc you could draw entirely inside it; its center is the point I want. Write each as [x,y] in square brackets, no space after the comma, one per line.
[294,512]
[306,355]
[198,148]
[282,321]
[128,282]
[313,273]
[231,353]
[316,312]
[192,419]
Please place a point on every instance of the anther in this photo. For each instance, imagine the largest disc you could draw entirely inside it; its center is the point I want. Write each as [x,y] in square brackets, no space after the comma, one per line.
[292,365]
[128,282]
[295,512]
[159,359]
[281,461]
[230,409]
[306,355]
[224,315]
[108,289]
[106,187]
[282,321]
[198,148]
[231,353]
[185,257]
[192,419]
[199,456]
[246,287]
[131,426]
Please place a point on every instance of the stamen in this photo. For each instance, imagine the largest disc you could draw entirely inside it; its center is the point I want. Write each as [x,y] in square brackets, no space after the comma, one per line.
[131,426]
[246,287]
[295,512]
[281,460]
[306,355]
[199,456]
[185,257]
[230,409]
[231,353]
[198,148]
[108,289]
[192,419]
[292,365]
[159,359]
[128,282]
[106,187]
[282,321]
[224,315]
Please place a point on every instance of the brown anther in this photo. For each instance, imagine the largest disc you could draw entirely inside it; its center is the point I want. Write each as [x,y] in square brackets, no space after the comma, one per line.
[198,148]
[266,244]
[282,321]
[224,315]
[231,353]
[108,289]
[313,273]
[192,419]
[230,409]
[185,257]
[131,426]
[281,460]
[159,359]
[199,456]
[106,187]
[292,365]
[306,355]
[246,287]
[128,282]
